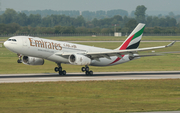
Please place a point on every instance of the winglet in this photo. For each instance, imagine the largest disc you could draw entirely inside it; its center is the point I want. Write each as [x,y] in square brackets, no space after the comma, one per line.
[171,44]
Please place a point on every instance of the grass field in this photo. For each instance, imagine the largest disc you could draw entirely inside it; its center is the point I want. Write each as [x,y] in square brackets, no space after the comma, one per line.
[92,96]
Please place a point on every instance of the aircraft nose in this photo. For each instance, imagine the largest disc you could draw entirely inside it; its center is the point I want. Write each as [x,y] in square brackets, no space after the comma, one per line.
[9,46]
[5,44]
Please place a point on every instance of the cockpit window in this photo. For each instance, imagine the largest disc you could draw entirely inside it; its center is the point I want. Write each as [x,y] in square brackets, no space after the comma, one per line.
[14,40]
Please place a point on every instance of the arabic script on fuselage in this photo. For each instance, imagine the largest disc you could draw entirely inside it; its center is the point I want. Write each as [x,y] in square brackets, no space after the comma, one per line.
[44,44]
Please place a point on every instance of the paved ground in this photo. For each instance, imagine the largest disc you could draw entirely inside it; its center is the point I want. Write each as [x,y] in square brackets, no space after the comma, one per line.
[18,78]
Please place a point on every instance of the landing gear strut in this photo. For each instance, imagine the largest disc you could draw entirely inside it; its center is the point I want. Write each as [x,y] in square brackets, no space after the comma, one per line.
[86,70]
[59,69]
[19,60]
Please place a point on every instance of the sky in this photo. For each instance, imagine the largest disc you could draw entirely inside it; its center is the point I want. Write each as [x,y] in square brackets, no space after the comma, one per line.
[92,5]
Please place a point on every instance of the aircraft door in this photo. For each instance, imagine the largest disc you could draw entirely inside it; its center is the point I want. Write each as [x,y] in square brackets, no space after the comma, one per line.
[24,41]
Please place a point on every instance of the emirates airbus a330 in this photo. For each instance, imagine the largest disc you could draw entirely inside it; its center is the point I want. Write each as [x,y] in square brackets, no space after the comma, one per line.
[34,50]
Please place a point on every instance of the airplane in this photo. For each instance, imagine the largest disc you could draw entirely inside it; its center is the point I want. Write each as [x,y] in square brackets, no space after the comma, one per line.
[33,51]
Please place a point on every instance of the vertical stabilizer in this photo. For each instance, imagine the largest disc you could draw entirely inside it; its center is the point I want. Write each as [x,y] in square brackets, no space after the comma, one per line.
[133,40]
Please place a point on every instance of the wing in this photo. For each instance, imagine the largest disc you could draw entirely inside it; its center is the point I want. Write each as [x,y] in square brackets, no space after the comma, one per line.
[118,53]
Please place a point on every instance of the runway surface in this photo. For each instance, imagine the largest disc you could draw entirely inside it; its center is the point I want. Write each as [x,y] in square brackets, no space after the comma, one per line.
[52,77]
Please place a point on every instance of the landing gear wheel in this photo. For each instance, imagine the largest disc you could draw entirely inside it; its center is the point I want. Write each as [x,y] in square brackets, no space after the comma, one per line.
[59,69]
[91,73]
[87,68]
[56,69]
[19,61]
[87,73]
[63,72]
[83,69]
[60,72]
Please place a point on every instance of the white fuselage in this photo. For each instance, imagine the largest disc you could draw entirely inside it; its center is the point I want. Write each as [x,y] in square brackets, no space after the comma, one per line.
[48,49]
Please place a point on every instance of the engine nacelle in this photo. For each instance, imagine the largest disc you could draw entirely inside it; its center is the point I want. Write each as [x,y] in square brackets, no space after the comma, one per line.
[133,56]
[32,60]
[76,59]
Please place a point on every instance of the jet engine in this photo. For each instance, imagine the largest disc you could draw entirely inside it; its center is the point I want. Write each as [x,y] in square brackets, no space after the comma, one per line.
[32,60]
[77,59]
[131,57]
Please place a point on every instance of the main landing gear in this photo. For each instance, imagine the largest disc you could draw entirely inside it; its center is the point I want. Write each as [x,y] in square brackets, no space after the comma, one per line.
[59,69]
[86,70]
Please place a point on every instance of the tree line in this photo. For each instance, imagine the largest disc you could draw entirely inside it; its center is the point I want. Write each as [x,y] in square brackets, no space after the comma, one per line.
[14,28]
[12,22]
[88,15]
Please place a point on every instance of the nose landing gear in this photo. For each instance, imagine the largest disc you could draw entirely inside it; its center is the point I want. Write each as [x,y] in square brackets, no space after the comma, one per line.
[59,69]
[19,60]
[86,70]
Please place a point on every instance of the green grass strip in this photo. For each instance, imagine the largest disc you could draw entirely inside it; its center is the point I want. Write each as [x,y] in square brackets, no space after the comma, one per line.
[92,96]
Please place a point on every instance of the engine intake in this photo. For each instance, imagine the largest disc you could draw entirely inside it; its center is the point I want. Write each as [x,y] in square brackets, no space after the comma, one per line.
[76,59]
[32,60]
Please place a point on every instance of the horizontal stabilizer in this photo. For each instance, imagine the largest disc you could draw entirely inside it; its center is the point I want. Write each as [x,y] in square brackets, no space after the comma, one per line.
[155,54]
[171,44]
